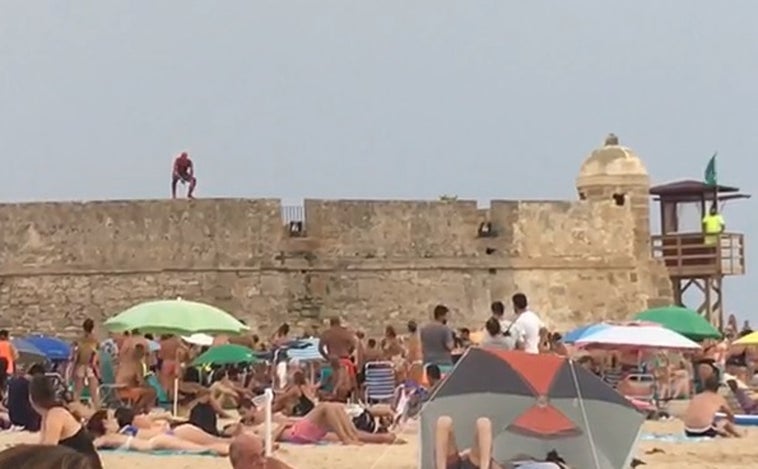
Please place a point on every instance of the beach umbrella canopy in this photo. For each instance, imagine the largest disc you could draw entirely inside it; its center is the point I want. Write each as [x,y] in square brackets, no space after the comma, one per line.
[204,340]
[27,351]
[175,317]
[536,403]
[685,321]
[637,337]
[572,336]
[228,354]
[750,339]
[54,348]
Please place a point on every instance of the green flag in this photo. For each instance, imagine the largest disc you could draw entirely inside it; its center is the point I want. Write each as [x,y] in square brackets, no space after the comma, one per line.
[710,171]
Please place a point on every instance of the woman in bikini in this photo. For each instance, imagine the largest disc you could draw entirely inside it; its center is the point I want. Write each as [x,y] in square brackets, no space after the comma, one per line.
[328,421]
[297,399]
[86,364]
[108,435]
[144,427]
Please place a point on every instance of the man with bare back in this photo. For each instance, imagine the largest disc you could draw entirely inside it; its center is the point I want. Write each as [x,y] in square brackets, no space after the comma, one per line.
[171,354]
[700,417]
[339,342]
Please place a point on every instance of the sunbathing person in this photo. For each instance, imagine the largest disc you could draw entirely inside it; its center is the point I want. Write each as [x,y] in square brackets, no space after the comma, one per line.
[747,403]
[106,433]
[448,456]
[328,421]
[143,427]
[700,417]
[297,399]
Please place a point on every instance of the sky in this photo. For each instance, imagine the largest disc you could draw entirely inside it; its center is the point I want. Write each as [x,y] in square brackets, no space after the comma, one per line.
[484,99]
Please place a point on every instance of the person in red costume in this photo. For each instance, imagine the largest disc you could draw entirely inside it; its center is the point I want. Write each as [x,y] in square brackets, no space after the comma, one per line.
[184,172]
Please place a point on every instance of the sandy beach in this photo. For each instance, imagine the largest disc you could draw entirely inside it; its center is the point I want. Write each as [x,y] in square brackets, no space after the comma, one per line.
[721,454]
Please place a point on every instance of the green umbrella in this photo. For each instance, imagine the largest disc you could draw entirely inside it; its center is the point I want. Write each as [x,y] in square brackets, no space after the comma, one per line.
[685,321]
[228,354]
[175,317]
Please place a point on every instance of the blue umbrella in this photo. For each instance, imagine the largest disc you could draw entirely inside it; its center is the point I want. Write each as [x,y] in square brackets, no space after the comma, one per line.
[28,351]
[582,332]
[53,348]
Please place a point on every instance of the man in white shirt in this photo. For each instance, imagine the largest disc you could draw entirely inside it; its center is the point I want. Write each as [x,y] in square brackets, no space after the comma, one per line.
[527,324]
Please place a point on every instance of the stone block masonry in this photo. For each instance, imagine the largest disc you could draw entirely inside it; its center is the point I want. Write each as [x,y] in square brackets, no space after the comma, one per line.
[371,262]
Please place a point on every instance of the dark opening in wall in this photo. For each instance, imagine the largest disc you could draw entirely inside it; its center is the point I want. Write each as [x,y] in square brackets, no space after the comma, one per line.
[486,230]
[296,229]
[620,199]
[582,196]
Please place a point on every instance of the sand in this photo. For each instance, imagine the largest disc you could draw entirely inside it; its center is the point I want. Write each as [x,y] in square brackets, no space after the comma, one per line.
[721,454]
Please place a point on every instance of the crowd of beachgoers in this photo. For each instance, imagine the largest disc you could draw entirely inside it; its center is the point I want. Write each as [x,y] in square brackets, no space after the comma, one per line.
[133,391]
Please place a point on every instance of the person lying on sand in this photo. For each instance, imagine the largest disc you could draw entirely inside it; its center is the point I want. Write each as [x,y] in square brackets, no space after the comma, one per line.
[328,421]
[748,404]
[247,452]
[143,427]
[106,434]
[700,416]
[447,455]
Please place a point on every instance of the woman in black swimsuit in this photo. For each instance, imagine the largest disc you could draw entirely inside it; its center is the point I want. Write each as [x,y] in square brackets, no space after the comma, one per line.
[58,426]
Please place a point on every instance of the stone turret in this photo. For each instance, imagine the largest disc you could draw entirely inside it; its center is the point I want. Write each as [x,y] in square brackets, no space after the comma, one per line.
[614,172]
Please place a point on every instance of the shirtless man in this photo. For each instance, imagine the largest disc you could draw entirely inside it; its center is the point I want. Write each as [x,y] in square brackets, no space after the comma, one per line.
[131,384]
[171,354]
[247,452]
[700,416]
[86,363]
[185,172]
[339,342]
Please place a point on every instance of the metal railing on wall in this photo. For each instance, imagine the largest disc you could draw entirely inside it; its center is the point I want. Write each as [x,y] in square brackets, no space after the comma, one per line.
[294,219]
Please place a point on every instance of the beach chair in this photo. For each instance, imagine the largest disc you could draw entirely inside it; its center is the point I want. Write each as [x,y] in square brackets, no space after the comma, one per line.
[108,390]
[163,400]
[380,382]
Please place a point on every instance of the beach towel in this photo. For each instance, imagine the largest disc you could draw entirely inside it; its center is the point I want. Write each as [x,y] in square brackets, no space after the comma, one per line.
[159,452]
[671,438]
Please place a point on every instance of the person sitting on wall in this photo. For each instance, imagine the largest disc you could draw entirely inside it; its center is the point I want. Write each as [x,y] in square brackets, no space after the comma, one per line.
[183,171]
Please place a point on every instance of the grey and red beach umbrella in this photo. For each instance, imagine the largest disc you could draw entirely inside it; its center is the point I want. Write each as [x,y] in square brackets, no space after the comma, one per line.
[537,403]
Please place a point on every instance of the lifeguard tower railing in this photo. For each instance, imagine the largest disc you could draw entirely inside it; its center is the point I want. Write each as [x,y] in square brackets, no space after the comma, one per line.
[688,255]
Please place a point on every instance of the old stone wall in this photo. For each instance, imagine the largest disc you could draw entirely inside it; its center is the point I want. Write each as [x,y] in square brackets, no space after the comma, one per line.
[373,262]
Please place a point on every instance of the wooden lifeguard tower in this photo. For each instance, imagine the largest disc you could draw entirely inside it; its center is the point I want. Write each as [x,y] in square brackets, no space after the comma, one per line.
[690,261]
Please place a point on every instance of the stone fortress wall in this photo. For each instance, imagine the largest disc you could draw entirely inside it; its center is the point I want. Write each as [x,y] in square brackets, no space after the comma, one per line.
[372,262]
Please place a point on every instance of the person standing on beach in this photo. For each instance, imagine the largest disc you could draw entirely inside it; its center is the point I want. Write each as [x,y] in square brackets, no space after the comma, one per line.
[437,340]
[183,171]
[87,363]
[338,343]
[528,326]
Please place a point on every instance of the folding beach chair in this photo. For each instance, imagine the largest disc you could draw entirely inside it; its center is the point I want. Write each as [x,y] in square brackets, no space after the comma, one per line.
[108,388]
[380,382]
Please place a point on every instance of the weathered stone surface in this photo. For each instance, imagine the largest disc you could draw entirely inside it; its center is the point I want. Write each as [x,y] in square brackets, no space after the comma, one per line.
[371,262]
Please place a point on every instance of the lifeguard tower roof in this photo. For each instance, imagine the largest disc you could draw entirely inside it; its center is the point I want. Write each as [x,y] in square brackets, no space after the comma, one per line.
[689,190]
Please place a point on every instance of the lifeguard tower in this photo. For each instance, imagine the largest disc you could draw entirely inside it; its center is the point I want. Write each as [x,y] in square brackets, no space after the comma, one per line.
[691,262]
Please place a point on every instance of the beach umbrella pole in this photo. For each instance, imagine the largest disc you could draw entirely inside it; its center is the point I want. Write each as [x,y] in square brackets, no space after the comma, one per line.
[269,393]
[176,397]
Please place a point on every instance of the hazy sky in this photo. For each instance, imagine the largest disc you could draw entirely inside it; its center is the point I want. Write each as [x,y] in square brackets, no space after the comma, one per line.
[374,99]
